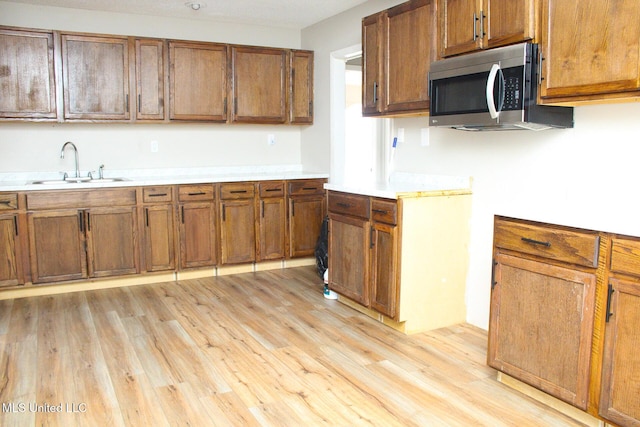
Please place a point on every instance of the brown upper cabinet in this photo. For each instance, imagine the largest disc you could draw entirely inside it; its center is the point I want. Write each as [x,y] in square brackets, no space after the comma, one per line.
[259,85]
[591,50]
[150,79]
[398,47]
[96,77]
[198,81]
[301,87]
[469,25]
[27,76]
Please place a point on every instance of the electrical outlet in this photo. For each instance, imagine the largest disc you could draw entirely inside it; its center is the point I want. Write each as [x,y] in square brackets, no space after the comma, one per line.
[154,146]
[271,139]
[424,137]
[400,134]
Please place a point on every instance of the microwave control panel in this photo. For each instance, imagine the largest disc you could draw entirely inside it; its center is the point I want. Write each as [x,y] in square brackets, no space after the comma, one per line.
[513,88]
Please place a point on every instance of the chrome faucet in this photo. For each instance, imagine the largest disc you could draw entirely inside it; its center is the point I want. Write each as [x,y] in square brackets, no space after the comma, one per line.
[75,150]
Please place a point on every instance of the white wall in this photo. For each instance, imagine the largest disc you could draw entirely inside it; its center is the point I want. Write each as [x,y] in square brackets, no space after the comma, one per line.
[35,146]
[583,177]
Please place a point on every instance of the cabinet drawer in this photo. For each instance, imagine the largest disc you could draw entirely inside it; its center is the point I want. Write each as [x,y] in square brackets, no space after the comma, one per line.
[156,194]
[574,247]
[384,211]
[81,199]
[306,186]
[271,189]
[8,201]
[200,192]
[349,204]
[625,256]
[237,191]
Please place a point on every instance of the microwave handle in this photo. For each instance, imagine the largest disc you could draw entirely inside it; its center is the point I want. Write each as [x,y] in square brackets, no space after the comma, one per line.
[491,81]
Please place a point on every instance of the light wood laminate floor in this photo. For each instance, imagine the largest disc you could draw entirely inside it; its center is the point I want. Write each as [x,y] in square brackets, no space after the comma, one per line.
[255,349]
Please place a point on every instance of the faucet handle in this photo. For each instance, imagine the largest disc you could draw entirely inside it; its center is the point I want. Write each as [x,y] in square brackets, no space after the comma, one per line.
[101,171]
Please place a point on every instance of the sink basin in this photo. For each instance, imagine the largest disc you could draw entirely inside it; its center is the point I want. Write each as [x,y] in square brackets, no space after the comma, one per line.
[76,181]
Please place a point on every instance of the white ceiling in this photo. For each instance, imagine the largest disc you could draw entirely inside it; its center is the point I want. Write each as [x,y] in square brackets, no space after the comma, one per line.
[295,14]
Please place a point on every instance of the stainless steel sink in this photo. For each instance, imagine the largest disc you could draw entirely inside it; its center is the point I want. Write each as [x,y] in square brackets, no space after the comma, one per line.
[76,181]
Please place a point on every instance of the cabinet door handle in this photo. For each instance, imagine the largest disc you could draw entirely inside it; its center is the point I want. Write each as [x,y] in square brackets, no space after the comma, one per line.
[272,189]
[182,213]
[88,221]
[262,208]
[238,191]
[536,242]
[127,106]
[139,106]
[200,193]
[380,211]
[343,205]
[157,195]
[15,224]
[493,274]
[309,188]
[224,213]
[375,92]
[371,244]
[475,19]
[609,296]
[81,221]
[482,24]
[146,216]
[293,208]
[5,202]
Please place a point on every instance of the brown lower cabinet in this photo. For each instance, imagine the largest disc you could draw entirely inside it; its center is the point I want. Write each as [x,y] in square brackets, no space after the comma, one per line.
[157,214]
[197,227]
[565,306]
[64,235]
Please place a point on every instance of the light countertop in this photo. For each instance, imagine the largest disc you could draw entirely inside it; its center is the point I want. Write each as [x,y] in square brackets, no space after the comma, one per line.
[146,177]
[404,185]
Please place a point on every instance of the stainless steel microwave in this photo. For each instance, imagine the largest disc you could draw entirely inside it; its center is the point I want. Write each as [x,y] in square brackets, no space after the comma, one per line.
[495,89]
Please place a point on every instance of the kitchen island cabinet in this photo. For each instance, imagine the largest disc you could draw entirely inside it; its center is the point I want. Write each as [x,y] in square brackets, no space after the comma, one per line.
[27,79]
[401,260]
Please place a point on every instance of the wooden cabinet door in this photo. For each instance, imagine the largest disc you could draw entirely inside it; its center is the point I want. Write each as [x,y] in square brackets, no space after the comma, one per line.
[604,59]
[541,325]
[305,221]
[509,21]
[621,365]
[259,85]
[459,26]
[197,235]
[27,78]
[238,231]
[349,257]
[410,47]
[57,245]
[301,87]
[372,60]
[272,226]
[10,254]
[197,81]
[384,268]
[158,232]
[150,79]
[111,241]
[96,77]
